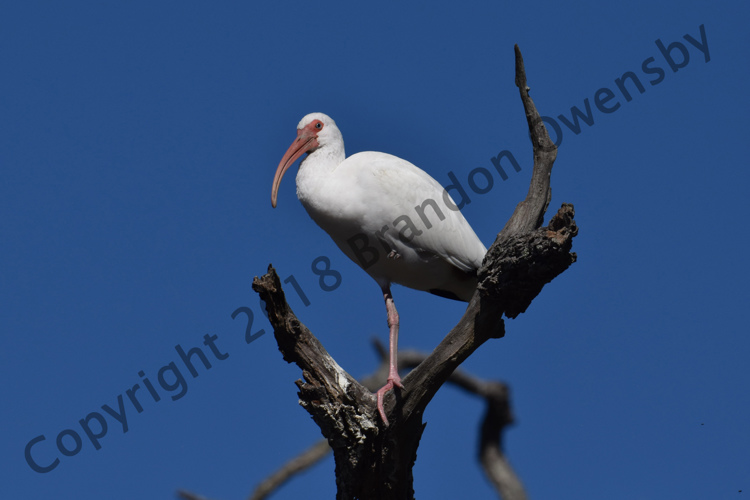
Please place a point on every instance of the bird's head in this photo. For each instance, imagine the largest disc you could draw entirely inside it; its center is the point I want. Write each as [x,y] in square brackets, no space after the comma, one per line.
[315,131]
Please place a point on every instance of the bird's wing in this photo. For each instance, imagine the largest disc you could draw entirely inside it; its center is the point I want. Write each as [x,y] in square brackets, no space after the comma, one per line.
[415,206]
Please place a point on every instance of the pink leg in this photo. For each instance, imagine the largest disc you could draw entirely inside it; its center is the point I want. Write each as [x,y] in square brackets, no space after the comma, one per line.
[393,378]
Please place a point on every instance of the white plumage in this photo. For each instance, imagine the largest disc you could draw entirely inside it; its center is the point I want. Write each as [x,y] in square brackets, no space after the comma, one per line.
[390,217]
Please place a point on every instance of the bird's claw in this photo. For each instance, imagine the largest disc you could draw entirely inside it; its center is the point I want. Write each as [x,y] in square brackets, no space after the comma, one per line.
[392,382]
[394,255]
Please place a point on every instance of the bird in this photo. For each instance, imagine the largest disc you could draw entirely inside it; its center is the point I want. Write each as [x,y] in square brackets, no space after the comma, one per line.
[387,215]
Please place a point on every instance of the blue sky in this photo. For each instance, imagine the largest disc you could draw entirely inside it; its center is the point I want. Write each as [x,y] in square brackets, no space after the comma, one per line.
[138,142]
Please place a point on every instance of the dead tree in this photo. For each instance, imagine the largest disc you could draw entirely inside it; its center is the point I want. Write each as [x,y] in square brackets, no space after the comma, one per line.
[372,461]
[497,418]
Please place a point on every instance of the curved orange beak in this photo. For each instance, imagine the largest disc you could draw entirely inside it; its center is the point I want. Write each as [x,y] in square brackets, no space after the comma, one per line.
[306,141]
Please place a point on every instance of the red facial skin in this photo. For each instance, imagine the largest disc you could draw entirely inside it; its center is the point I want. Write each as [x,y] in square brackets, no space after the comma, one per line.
[306,141]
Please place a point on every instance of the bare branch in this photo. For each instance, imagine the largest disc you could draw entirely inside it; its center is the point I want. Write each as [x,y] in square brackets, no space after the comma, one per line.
[529,214]
[304,460]
[494,462]
[374,461]
[497,417]
[186,495]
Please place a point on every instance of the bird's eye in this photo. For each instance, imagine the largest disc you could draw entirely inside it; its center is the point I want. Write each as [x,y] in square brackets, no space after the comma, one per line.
[318,125]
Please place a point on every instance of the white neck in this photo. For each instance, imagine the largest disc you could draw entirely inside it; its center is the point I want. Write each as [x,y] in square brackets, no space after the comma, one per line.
[317,167]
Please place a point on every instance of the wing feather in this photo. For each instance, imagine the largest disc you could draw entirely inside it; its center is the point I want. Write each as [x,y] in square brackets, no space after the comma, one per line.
[416,207]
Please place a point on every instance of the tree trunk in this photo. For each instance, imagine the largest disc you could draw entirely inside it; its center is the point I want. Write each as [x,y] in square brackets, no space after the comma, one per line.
[374,461]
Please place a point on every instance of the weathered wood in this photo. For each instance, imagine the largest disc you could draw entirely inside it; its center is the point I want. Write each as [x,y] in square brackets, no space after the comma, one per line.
[374,461]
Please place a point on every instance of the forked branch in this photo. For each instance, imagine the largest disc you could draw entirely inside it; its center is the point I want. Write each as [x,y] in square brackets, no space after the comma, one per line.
[374,461]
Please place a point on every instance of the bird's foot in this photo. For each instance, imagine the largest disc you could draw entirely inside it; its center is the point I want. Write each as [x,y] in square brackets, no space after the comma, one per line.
[392,382]
[394,255]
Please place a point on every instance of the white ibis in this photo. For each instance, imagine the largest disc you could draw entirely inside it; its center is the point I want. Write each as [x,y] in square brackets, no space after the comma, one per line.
[390,217]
